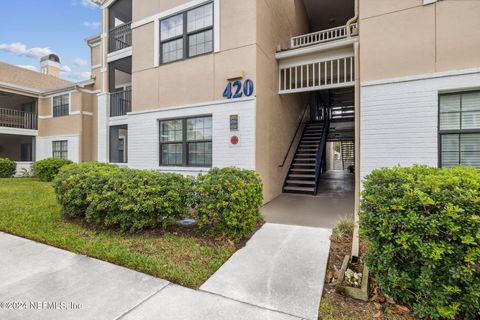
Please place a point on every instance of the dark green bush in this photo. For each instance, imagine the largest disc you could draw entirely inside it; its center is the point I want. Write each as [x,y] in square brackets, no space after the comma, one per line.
[228,201]
[76,183]
[46,170]
[7,168]
[138,199]
[423,225]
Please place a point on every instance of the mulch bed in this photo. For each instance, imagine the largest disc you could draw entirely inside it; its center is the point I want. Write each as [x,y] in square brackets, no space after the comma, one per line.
[379,307]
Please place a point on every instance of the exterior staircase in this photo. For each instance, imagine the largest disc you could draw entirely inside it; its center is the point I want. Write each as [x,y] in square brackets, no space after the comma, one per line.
[303,173]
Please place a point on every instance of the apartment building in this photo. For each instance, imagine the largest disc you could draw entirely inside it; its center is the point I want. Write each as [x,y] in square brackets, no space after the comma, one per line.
[42,115]
[276,86]
[187,85]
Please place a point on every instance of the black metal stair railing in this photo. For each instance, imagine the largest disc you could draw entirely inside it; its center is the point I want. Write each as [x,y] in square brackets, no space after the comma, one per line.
[322,147]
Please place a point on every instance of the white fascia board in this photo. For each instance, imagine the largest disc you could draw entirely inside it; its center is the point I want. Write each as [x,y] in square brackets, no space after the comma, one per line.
[316,48]
[421,77]
[195,105]
[18,131]
[120,54]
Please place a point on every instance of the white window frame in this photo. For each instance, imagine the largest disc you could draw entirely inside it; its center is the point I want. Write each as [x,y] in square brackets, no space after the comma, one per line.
[69,104]
[425,2]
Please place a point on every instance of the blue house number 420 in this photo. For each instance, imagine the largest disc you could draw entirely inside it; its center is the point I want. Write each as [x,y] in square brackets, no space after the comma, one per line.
[238,89]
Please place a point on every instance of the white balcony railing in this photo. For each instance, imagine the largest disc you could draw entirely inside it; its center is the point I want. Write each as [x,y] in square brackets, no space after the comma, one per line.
[12,118]
[319,37]
[328,73]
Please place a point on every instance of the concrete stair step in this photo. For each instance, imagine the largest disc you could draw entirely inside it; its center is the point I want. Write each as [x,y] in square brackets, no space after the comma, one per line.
[302,170]
[299,189]
[301,176]
[301,182]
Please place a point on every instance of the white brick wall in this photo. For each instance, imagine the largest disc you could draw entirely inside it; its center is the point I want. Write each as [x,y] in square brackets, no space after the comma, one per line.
[143,135]
[43,147]
[399,118]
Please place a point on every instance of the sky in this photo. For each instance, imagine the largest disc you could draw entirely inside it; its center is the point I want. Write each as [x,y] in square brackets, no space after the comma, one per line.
[30,29]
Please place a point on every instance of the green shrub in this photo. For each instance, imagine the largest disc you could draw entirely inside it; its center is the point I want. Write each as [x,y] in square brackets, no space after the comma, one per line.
[423,225]
[228,202]
[47,170]
[7,168]
[138,199]
[76,183]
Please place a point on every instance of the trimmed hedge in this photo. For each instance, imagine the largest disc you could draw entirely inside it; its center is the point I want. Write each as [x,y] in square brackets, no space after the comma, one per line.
[7,168]
[137,199]
[76,183]
[47,170]
[228,201]
[423,225]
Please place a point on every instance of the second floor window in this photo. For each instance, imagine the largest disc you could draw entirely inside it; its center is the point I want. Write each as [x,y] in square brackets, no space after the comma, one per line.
[61,105]
[187,34]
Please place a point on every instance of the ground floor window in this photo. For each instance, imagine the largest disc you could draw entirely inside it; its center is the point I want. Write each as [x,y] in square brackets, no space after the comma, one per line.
[60,149]
[119,144]
[186,142]
[459,129]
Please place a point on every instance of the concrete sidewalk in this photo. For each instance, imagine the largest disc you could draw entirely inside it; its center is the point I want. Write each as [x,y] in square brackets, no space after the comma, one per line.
[278,276]
[282,268]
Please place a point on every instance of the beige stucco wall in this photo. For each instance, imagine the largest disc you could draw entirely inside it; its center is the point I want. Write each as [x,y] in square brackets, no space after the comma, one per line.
[400,38]
[277,116]
[83,124]
[95,55]
[197,79]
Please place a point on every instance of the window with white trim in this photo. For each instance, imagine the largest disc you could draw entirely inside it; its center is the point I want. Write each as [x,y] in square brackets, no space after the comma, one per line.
[186,142]
[61,105]
[459,129]
[187,34]
[60,149]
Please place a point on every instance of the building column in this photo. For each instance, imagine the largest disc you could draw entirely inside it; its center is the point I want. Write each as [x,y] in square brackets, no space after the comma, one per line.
[102,127]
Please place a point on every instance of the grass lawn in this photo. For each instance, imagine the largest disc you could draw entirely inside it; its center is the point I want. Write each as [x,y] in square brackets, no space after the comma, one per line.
[28,209]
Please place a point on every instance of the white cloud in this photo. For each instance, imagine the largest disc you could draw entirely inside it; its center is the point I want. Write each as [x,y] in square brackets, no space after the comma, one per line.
[65,69]
[88,3]
[69,74]
[92,24]
[28,67]
[20,49]
[80,62]
[77,76]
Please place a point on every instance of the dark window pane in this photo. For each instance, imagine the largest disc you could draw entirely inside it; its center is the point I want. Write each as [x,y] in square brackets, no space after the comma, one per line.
[171,27]
[171,131]
[61,105]
[60,149]
[200,18]
[199,129]
[200,43]
[172,51]
[200,154]
[172,154]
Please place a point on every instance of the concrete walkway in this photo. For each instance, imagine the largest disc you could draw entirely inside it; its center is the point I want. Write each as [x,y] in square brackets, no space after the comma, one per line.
[335,199]
[278,276]
[282,268]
